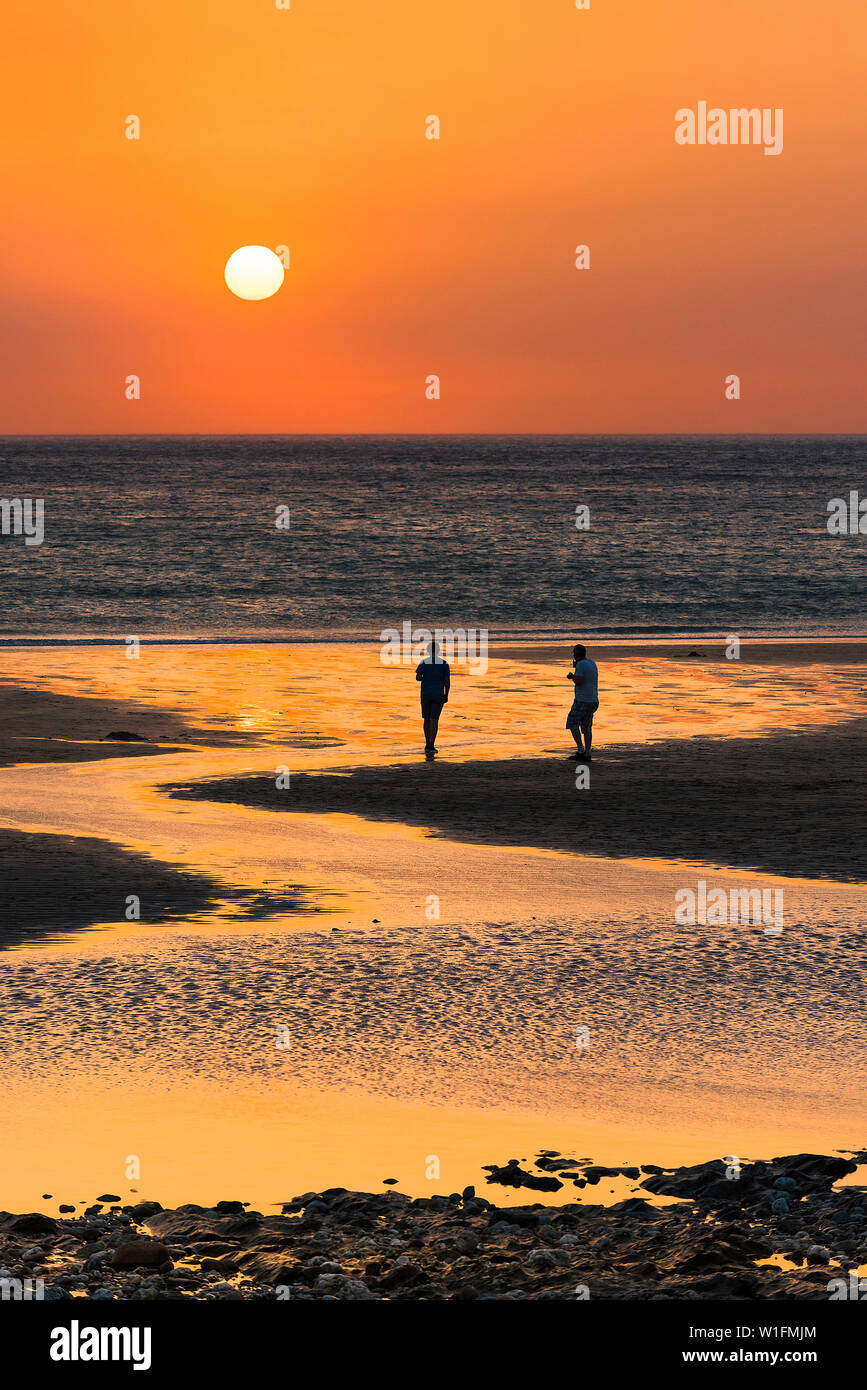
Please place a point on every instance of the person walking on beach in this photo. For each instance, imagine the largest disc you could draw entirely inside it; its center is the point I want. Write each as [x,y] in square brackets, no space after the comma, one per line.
[435,679]
[585,703]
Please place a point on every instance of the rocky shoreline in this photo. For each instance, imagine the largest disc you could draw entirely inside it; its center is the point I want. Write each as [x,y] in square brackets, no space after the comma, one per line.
[713,1242]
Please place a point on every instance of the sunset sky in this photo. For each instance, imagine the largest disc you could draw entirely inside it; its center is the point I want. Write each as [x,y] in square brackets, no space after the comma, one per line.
[412,256]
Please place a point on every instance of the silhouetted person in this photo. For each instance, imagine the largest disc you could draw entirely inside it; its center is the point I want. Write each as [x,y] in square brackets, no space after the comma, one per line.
[435,679]
[585,704]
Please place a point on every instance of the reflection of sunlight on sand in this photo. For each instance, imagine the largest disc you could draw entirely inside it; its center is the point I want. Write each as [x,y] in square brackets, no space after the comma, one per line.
[314,697]
[354,869]
[283,1141]
[333,707]
[446,1041]
[516,708]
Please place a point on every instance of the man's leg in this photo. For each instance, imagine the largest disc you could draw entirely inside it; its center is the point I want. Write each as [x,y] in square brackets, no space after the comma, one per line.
[587,731]
[576,734]
[434,725]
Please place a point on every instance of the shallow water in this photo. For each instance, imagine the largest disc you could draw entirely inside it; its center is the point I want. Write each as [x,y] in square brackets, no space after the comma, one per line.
[408,1037]
[302,694]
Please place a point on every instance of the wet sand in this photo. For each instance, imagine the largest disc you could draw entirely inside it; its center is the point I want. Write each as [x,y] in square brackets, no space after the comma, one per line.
[54,884]
[785,805]
[414,1034]
[342,696]
[49,726]
[802,651]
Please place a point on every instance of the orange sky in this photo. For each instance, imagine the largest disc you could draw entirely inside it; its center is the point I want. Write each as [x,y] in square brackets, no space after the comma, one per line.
[412,256]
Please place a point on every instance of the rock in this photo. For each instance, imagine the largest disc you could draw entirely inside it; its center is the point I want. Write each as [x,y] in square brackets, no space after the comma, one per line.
[504,1228]
[402,1275]
[269,1266]
[460,1247]
[356,1290]
[31,1223]
[64,1207]
[219,1265]
[467,1242]
[542,1259]
[108,1197]
[133,1253]
[124,737]
[554,1164]
[514,1176]
[142,1210]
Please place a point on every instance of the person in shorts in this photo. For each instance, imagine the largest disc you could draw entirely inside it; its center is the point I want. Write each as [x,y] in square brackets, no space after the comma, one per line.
[435,679]
[585,704]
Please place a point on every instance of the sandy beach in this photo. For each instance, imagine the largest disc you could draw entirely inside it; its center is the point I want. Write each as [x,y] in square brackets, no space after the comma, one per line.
[341,339]
[426,940]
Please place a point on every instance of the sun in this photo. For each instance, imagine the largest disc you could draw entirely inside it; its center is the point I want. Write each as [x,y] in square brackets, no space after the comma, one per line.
[254,272]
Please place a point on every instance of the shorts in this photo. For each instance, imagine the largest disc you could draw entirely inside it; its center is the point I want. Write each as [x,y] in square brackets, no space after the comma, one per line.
[581,714]
[432,707]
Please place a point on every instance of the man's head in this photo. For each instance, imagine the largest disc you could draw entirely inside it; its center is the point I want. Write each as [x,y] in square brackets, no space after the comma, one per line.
[578,652]
[433,652]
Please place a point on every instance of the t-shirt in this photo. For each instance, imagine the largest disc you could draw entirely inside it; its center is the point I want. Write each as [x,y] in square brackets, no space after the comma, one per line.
[434,675]
[588,691]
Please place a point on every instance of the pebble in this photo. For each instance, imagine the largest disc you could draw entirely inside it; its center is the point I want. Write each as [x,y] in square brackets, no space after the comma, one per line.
[365,1247]
[357,1290]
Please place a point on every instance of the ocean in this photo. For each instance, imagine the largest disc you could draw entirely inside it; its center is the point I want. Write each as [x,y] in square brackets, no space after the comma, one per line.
[176,537]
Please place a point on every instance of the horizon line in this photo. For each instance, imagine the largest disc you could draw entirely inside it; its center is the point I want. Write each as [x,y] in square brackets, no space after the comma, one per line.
[459,434]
